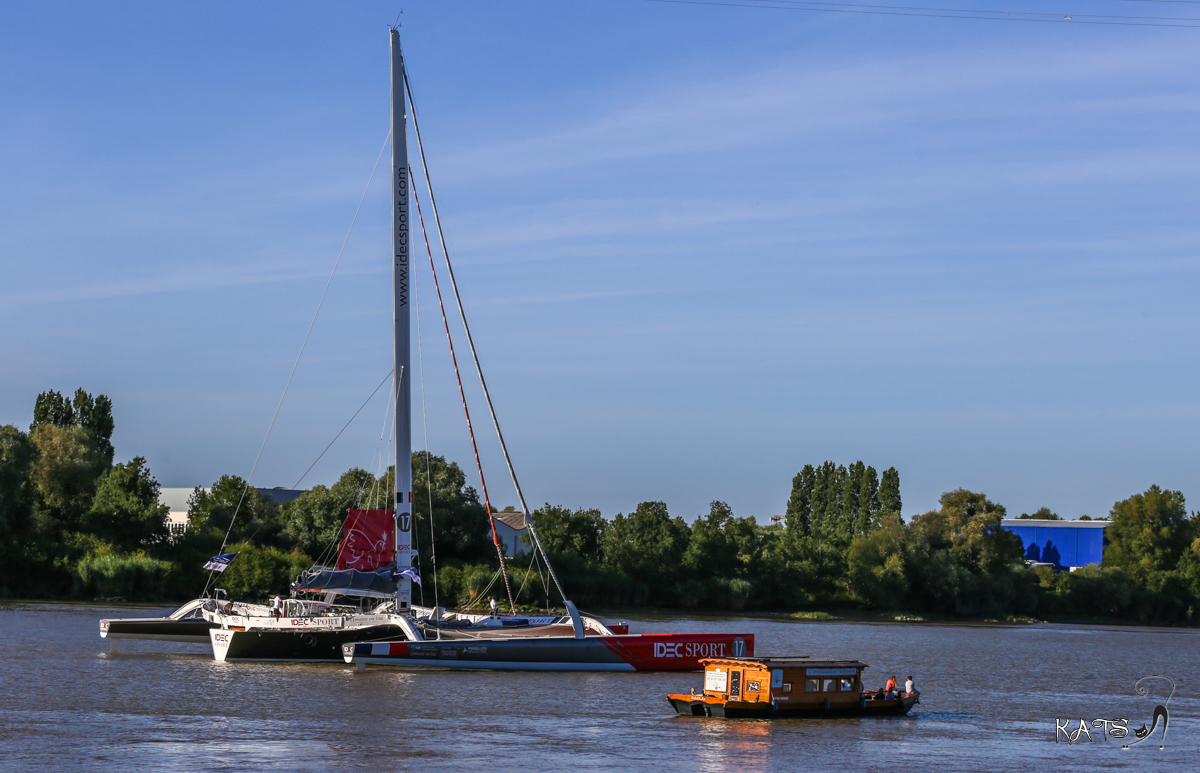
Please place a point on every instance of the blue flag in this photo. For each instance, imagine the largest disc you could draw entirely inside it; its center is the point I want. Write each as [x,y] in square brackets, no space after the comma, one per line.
[220,563]
[411,573]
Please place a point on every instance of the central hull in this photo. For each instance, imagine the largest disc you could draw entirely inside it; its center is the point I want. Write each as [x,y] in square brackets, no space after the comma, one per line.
[293,646]
[631,652]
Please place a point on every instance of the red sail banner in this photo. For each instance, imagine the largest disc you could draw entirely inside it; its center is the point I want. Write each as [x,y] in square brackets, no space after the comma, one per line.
[368,540]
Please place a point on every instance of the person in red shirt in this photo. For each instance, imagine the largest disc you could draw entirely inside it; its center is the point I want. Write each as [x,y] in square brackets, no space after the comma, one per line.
[891,685]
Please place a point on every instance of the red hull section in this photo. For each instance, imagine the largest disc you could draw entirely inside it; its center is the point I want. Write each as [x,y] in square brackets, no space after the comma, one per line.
[677,651]
[631,652]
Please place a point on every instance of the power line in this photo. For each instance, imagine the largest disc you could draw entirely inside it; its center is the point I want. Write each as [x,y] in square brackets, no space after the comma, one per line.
[1067,16]
[942,13]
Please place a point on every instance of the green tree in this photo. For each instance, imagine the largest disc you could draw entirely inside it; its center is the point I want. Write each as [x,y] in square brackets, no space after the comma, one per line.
[648,544]
[54,409]
[829,507]
[1044,514]
[125,510]
[889,491]
[864,484]
[833,503]
[459,521]
[710,551]
[1149,533]
[212,513]
[565,532]
[260,570]
[878,572]
[313,521]
[93,415]
[64,472]
[971,523]
[959,559]
[16,495]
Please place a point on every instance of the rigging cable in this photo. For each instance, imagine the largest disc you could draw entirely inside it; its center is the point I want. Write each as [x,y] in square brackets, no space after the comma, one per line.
[474,355]
[470,429]
[334,544]
[296,485]
[296,364]
[428,462]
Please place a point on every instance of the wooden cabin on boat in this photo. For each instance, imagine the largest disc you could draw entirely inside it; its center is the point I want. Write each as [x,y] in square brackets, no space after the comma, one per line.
[786,687]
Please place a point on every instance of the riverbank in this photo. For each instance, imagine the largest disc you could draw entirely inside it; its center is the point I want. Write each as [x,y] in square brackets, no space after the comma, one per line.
[839,615]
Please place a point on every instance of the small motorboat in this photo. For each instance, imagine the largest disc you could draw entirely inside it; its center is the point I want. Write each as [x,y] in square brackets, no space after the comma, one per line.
[787,687]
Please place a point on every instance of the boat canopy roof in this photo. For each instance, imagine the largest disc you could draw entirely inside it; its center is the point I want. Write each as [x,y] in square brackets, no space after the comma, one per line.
[793,661]
[349,582]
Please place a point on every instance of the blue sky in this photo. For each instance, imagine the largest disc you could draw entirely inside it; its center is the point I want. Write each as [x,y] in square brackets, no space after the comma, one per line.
[701,246]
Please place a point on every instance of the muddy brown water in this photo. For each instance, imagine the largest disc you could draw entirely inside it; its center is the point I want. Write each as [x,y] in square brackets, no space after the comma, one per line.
[990,698]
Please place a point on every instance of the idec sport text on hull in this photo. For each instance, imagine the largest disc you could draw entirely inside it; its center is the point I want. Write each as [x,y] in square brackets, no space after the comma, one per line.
[689,649]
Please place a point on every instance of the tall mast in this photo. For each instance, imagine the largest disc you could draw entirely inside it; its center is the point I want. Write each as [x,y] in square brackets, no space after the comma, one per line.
[402,392]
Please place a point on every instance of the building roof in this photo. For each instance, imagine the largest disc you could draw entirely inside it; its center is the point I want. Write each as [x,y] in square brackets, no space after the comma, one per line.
[790,661]
[514,521]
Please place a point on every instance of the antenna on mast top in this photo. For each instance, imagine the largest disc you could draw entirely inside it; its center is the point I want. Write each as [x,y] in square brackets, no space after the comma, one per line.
[396,24]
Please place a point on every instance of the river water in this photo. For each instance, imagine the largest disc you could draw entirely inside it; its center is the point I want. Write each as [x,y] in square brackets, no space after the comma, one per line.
[990,698]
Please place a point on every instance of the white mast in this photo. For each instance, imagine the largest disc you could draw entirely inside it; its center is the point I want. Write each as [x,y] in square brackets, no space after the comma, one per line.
[400,334]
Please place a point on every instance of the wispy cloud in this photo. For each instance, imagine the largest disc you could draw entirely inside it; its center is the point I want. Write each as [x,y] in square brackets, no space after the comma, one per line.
[181,279]
[798,98]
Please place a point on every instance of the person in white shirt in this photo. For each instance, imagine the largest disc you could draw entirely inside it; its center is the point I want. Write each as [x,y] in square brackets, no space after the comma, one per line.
[908,686]
[494,606]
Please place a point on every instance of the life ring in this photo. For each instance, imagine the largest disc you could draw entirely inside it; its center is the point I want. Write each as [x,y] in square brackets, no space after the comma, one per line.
[309,639]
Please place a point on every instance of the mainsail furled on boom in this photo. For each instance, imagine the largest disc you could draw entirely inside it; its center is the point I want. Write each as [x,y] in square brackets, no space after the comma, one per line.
[349,582]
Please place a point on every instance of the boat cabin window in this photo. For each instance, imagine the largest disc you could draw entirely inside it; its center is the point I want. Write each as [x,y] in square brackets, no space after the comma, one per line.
[847,685]
[787,686]
[829,686]
[735,684]
[812,685]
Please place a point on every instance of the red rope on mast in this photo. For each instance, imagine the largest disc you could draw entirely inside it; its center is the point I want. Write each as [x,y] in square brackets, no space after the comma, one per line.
[478,465]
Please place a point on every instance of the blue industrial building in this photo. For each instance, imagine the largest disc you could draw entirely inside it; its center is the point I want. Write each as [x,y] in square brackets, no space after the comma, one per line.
[1065,544]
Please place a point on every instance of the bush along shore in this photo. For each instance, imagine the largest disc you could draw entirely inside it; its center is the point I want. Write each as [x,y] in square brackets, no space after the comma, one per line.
[76,524]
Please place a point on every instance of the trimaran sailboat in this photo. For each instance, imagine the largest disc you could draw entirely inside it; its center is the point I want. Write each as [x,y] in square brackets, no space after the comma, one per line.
[314,626]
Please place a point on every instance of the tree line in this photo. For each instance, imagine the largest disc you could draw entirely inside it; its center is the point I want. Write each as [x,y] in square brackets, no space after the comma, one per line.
[75,524]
